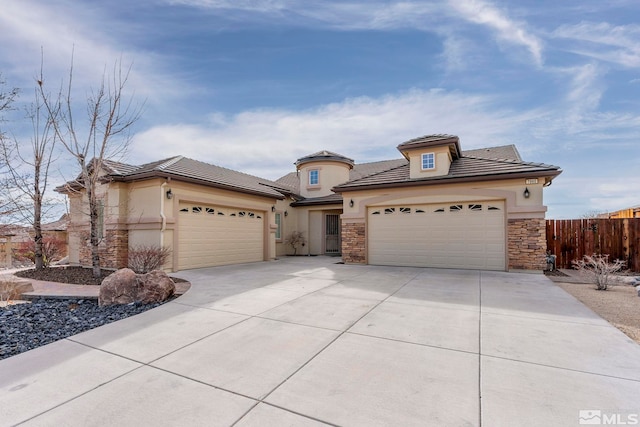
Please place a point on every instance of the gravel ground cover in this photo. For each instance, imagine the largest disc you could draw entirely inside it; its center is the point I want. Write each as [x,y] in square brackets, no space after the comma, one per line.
[619,305]
[27,326]
[73,275]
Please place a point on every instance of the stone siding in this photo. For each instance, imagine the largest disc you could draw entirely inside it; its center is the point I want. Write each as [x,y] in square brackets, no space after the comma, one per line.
[353,243]
[113,249]
[527,244]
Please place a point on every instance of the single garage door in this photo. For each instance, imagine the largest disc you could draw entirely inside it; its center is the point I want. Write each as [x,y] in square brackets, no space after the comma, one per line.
[213,235]
[453,235]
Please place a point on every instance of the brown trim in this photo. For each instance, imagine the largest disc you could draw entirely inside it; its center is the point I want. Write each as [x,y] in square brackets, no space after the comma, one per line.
[448,180]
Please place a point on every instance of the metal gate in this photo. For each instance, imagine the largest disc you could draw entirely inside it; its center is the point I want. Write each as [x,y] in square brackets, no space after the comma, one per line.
[332,234]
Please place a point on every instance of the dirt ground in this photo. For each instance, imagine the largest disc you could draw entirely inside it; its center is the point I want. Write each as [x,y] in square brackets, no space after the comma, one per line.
[619,305]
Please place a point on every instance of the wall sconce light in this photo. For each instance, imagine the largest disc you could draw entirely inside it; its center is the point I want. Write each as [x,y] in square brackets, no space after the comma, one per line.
[526,193]
[286,213]
[351,203]
[169,194]
[273,208]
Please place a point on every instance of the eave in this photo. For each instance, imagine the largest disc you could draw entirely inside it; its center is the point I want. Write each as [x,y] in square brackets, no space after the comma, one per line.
[552,173]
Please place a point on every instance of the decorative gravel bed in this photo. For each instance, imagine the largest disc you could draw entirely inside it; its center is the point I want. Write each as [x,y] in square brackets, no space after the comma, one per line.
[27,326]
[73,275]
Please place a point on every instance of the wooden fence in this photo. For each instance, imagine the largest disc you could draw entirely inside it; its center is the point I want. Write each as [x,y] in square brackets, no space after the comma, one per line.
[570,239]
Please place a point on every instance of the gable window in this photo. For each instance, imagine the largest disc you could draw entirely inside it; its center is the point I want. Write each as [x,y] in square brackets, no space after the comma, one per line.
[279,224]
[314,177]
[428,161]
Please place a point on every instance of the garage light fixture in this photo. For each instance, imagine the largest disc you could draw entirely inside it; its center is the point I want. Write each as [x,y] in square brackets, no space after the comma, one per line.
[273,208]
[286,213]
[169,194]
[526,193]
[351,203]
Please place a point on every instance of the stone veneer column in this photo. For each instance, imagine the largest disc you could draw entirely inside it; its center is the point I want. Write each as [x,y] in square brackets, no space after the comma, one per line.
[113,249]
[527,243]
[117,249]
[353,242]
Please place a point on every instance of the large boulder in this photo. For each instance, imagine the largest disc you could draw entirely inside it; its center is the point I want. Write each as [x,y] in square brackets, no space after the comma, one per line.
[154,286]
[125,286]
[12,287]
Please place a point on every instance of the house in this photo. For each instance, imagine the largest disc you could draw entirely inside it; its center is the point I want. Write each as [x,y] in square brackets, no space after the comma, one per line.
[632,212]
[435,206]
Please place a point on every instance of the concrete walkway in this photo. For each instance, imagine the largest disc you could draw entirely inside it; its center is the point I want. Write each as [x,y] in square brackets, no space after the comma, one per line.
[308,342]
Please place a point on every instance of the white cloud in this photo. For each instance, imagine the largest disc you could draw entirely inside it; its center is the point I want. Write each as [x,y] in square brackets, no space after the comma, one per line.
[603,41]
[508,30]
[30,27]
[267,142]
[372,15]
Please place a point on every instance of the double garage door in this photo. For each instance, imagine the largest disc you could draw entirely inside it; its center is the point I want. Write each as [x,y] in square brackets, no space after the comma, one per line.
[213,235]
[469,235]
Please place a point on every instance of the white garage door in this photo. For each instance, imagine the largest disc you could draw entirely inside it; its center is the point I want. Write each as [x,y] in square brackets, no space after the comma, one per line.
[212,235]
[454,235]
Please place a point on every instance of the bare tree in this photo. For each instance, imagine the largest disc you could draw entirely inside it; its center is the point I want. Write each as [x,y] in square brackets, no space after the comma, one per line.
[593,213]
[103,136]
[28,171]
[7,97]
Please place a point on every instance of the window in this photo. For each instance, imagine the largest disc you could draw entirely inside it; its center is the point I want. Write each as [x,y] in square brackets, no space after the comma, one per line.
[428,161]
[314,177]
[279,224]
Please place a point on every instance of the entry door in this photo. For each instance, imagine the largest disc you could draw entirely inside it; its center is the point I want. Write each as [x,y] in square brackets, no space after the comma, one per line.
[332,234]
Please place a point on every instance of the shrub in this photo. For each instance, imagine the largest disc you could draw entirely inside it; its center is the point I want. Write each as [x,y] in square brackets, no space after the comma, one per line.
[598,269]
[146,258]
[53,249]
[295,239]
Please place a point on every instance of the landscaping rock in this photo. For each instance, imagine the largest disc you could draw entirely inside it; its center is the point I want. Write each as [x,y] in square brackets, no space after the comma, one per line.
[154,286]
[28,326]
[120,287]
[125,287]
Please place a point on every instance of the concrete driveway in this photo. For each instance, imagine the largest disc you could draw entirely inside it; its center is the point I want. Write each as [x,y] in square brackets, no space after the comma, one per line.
[306,342]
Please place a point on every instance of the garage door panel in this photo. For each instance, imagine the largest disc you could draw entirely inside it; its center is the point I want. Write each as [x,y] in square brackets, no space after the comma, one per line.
[211,235]
[469,235]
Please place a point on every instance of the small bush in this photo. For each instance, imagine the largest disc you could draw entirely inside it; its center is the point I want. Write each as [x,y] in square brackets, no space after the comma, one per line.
[295,239]
[598,269]
[53,249]
[146,258]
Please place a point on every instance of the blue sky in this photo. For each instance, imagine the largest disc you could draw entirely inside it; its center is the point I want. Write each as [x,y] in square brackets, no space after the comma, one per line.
[254,85]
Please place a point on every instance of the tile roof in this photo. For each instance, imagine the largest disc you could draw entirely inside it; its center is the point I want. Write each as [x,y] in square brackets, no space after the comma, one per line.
[324,155]
[506,152]
[183,168]
[427,139]
[180,167]
[334,198]
[360,170]
[462,169]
